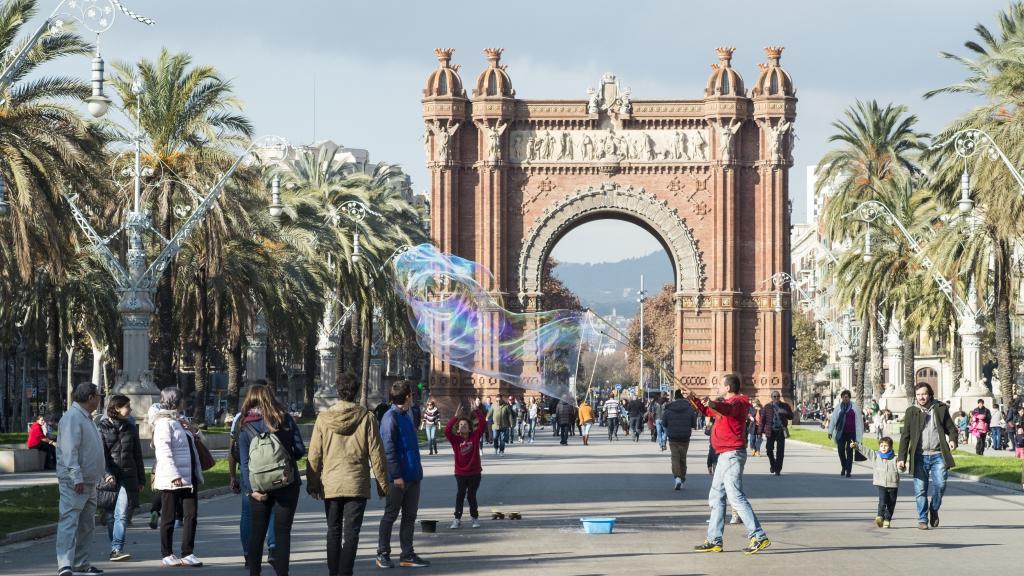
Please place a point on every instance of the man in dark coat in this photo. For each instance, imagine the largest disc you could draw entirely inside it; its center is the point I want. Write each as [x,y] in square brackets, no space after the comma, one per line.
[566,416]
[926,448]
[679,420]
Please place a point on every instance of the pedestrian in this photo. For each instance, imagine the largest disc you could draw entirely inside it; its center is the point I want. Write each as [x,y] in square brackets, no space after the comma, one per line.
[728,439]
[156,498]
[245,518]
[521,416]
[611,410]
[997,425]
[774,425]
[678,421]
[178,475]
[464,434]
[844,426]
[534,413]
[659,420]
[431,422]
[586,420]
[39,440]
[405,473]
[981,420]
[344,445]
[122,452]
[80,465]
[269,447]
[501,421]
[927,443]
[635,411]
[753,428]
[566,417]
[553,416]
[885,476]
[1019,442]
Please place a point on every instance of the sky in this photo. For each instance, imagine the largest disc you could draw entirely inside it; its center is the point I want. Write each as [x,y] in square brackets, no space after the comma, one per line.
[369,60]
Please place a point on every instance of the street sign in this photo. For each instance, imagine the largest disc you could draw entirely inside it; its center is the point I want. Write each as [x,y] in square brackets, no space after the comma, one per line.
[618,386]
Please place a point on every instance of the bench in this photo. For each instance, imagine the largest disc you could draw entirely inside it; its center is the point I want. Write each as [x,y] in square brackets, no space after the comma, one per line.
[16,458]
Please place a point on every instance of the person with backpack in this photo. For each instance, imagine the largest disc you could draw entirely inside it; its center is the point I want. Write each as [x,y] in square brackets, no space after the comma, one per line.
[775,417]
[405,472]
[344,446]
[269,445]
[178,475]
[245,518]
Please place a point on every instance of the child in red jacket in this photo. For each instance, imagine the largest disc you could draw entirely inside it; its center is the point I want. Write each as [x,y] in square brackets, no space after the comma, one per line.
[464,436]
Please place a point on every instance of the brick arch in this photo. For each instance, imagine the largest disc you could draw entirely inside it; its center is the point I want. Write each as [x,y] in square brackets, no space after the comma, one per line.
[611,199]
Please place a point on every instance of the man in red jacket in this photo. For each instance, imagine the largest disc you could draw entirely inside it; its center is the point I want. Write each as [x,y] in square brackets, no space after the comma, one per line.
[728,439]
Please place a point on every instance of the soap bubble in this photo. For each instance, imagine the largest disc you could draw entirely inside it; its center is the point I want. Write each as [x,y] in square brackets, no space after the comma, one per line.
[459,321]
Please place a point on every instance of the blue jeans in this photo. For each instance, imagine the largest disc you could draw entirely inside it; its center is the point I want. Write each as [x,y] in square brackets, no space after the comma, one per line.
[499,441]
[532,428]
[245,526]
[116,520]
[997,438]
[727,483]
[431,430]
[660,426]
[927,468]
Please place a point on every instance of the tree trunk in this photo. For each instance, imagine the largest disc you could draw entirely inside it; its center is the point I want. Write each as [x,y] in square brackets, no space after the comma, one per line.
[877,357]
[309,363]
[909,341]
[166,339]
[234,362]
[1004,343]
[958,358]
[53,395]
[367,344]
[201,353]
[860,378]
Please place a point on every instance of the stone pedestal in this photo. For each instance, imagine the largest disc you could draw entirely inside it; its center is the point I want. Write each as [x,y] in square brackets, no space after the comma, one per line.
[846,369]
[972,386]
[142,394]
[256,353]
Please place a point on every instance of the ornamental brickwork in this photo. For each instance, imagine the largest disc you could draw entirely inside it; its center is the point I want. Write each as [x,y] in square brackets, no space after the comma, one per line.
[708,177]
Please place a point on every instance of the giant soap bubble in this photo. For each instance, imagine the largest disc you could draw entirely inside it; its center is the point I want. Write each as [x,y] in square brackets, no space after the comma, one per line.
[458,321]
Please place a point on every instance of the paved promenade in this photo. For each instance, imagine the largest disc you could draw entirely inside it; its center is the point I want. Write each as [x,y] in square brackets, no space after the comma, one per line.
[819,522]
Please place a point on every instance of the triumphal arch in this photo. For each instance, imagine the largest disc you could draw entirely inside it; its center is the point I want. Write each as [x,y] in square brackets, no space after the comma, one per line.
[708,177]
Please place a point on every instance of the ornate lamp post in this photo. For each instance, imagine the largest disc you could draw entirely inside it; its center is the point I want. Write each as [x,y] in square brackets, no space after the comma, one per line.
[971,384]
[641,297]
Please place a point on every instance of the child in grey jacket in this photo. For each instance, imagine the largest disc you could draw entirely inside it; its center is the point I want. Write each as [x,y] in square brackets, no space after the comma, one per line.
[886,477]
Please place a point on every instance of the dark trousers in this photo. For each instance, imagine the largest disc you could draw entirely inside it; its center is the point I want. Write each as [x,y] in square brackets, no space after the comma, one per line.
[50,451]
[185,500]
[845,452]
[468,486]
[776,447]
[407,501]
[886,502]
[979,448]
[563,430]
[282,503]
[344,520]
[678,450]
[635,423]
[499,440]
[613,427]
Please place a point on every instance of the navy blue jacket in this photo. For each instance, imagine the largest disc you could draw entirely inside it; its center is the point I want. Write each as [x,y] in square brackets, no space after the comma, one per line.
[401,445]
[679,421]
[291,439]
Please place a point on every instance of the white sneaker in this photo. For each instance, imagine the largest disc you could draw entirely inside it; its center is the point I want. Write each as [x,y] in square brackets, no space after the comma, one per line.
[191,561]
[679,483]
[456,524]
[476,522]
[735,518]
[171,560]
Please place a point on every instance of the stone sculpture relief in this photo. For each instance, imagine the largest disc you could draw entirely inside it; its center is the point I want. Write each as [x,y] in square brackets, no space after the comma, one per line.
[725,137]
[443,135]
[779,140]
[493,136]
[559,146]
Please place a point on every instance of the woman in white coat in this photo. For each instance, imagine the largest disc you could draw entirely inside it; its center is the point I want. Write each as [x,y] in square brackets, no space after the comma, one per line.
[846,425]
[178,475]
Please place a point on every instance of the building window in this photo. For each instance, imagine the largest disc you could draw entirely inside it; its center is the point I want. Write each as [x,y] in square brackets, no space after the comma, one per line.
[928,376]
[442,86]
[773,85]
[492,85]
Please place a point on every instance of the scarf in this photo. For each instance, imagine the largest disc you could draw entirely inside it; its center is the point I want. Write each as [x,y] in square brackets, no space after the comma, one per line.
[886,455]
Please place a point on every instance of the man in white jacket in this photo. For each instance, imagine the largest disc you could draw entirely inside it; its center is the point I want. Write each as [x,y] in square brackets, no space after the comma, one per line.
[80,465]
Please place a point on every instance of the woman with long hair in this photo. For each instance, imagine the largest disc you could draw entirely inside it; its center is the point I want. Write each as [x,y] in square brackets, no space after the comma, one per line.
[123,454]
[270,484]
[177,475]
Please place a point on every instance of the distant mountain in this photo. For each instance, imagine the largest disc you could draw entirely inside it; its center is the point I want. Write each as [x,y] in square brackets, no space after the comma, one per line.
[613,285]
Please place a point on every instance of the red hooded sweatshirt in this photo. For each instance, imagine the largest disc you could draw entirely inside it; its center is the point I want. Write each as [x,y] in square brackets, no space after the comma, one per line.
[467,450]
[730,430]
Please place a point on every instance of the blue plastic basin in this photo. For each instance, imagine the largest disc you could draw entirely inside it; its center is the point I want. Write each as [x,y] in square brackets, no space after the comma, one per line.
[598,525]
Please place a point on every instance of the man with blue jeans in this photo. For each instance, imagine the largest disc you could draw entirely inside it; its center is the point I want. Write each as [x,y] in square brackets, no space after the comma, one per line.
[728,439]
[80,465]
[659,420]
[927,443]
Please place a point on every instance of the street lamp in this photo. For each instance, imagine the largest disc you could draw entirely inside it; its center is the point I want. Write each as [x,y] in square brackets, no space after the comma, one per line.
[641,298]
[276,207]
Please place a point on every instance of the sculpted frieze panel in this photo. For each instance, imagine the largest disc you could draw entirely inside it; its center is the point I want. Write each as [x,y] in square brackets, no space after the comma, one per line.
[540,146]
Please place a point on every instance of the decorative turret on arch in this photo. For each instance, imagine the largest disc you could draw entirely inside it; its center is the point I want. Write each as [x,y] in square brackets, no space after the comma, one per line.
[611,198]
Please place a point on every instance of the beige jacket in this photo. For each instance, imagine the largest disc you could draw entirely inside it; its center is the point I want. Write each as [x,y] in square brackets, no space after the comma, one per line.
[345,443]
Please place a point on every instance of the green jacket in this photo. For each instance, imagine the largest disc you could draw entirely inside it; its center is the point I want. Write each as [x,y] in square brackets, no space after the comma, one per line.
[500,416]
[910,437]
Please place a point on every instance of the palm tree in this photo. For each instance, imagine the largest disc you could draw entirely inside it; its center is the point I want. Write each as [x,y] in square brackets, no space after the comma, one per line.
[995,72]
[877,147]
[191,118]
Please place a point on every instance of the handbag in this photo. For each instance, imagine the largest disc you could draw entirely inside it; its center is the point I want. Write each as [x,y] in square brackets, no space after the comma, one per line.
[107,490]
[206,459]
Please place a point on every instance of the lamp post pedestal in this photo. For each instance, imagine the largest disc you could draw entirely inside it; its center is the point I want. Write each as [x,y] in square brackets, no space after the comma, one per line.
[895,396]
[256,353]
[326,394]
[972,385]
